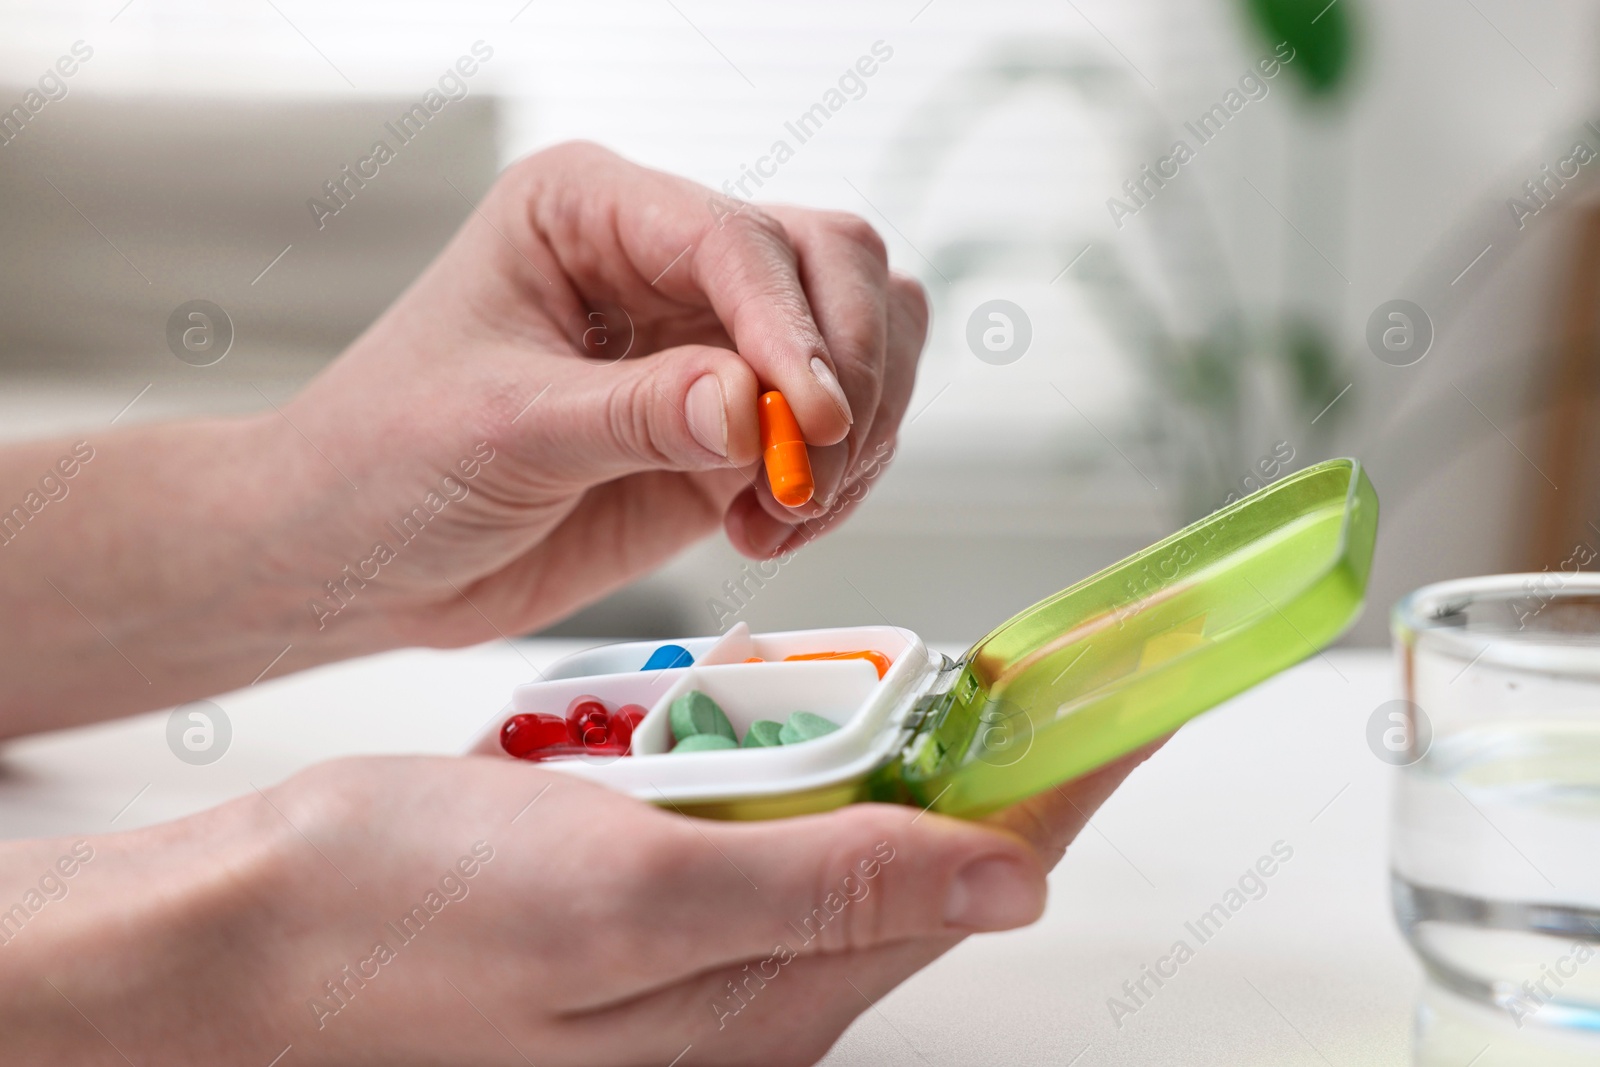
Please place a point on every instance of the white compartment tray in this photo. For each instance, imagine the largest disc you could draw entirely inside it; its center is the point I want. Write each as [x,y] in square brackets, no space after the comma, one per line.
[871,712]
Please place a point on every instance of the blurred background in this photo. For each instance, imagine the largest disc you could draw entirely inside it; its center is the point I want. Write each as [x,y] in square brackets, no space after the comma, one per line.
[1378,239]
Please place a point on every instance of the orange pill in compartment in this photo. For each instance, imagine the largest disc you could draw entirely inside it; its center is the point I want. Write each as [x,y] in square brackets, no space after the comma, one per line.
[783,449]
[877,659]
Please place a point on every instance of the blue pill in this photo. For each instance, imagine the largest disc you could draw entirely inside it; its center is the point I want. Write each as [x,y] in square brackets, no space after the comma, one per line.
[668,656]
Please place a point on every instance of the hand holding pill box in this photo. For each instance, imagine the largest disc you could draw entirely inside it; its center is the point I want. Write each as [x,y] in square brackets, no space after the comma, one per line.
[763,725]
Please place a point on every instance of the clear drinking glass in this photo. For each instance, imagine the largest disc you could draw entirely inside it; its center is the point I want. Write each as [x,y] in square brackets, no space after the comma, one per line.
[1495,849]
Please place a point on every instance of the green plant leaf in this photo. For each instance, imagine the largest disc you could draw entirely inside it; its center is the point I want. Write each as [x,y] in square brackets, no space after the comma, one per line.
[1315,367]
[1319,31]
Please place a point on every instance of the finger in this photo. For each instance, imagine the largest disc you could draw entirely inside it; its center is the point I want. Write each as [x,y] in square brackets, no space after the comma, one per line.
[865,875]
[807,1005]
[908,330]
[671,245]
[1051,820]
[753,531]
[537,588]
[888,872]
[780,1005]
[762,536]
[908,333]
[844,269]
[749,270]
[685,409]
[759,1011]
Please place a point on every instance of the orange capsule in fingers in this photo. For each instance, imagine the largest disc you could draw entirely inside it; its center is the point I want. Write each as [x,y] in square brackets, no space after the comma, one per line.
[784,450]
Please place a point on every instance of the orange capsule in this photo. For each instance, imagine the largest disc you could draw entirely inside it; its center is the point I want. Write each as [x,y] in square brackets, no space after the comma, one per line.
[877,659]
[788,466]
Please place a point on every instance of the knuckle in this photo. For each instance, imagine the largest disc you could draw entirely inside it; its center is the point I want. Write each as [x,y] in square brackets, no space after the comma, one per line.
[850,909]
[869,824]
[630,419]
[859,348]
[328,797]
[514,175]
[750,253]
[859,231]
[525,165]
[754,221]
[910,295]
[576,151]
[524,177]
[752,230]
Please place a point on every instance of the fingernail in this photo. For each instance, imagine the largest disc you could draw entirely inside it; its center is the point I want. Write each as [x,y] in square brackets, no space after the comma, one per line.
[994,893]
[707,418]
[830,385]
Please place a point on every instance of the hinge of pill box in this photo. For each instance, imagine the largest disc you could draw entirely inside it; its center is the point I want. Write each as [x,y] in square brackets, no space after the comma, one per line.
[935,698]
[928,710]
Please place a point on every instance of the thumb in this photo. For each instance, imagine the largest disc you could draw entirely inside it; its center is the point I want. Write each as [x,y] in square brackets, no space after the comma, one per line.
[681,409]
[853,879]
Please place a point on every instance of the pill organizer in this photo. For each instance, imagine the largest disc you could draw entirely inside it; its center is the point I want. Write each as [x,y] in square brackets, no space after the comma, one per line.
[1072,683]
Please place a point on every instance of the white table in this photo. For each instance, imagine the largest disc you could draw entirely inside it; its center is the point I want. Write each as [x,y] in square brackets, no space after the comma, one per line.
[1314,972]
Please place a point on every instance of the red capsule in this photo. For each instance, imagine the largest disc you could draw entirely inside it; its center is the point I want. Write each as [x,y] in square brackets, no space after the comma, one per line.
[588,721]
[524,735]
[624,722]
[567,750]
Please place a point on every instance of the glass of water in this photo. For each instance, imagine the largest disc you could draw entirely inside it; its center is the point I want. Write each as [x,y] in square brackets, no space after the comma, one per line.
[1495,849]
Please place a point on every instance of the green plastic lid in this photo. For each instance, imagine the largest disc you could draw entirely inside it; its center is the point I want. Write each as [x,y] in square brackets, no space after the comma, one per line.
[1133,652]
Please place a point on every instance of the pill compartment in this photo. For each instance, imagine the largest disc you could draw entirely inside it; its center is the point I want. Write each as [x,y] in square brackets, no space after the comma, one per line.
[837,690]
[644,688]
[869,710]
[622,657]
[739,644]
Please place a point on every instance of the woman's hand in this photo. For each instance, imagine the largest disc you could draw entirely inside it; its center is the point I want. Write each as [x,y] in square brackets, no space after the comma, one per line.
[565,399]
[583,363]
[421,911]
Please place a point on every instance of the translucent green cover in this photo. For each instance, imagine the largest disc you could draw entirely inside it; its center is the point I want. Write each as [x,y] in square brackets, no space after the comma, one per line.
[1135,651]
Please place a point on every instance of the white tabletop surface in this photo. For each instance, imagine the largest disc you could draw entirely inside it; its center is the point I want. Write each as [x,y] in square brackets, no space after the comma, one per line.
[1314,972]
